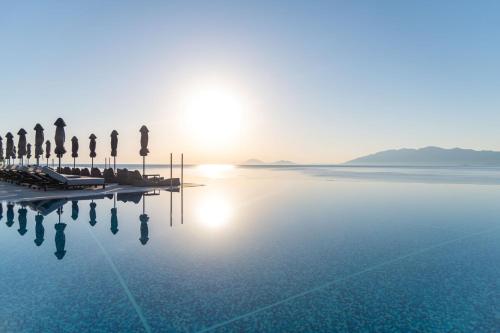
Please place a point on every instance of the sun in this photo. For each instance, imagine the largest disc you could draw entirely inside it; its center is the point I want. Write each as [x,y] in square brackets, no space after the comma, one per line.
[213,116]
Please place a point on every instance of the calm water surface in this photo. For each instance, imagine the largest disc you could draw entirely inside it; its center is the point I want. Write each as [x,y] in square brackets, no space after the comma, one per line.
[261,249]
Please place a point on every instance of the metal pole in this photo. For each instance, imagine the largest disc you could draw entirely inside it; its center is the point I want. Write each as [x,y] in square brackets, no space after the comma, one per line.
[59,164]
[74,162]
[143,166]
[182,188]
[92,164]
[170,170]
[114,163]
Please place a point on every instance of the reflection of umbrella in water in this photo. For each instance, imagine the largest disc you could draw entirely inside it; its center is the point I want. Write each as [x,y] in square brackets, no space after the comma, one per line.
[60,138]
[92,145]
[1,210]
[74,210]
[92,213]
[47,151]
[22,218]
[60,237]
[10,215]
[38,142]
[114,218]
[144,218]
[21,145]
[39,230]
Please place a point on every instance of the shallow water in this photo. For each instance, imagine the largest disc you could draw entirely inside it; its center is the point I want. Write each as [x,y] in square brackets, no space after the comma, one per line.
[262,249]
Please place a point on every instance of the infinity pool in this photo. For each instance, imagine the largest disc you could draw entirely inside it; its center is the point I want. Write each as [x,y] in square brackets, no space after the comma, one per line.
[260,250]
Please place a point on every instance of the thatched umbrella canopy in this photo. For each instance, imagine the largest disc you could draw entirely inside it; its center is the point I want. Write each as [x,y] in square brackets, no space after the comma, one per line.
[74,149]
[39,137]
[92,145]
[9,148]
[114,146]
[144,146]
[39,230]
[28,152]
[47,151]
[60,138]
[21,144]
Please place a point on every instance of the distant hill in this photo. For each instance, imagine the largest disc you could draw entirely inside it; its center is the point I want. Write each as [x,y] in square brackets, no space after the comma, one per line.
[254,161]
[431,156]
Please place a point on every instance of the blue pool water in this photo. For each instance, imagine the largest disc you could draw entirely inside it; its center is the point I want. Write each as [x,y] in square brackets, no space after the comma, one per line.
[261,250]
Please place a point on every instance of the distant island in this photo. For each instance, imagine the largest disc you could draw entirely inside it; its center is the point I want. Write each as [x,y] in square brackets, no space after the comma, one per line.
[254,161]
[431,156]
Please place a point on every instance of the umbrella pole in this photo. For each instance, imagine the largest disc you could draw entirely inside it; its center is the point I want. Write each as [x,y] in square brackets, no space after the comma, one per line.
[74,162]
[170,169]
[92,164]
[59,164]
[143,166]
[114,163]
[182,188]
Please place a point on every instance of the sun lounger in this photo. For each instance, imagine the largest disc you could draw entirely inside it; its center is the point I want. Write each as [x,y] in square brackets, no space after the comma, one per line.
[72,181]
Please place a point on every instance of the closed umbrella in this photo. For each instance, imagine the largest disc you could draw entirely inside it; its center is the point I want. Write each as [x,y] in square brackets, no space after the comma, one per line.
[10,215]
[74,149]
[92,144]
[60,138]
[144,146]
[28,152]
[9,148]
[14,154]
[21,144]
[39,137]
[114,146]
[74,210]
[47,151]
[1,150]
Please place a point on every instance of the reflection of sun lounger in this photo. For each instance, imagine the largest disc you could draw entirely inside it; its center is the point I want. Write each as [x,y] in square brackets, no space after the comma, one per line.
[45,207]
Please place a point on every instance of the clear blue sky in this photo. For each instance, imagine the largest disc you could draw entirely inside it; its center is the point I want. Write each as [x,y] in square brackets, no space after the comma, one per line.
[321,81]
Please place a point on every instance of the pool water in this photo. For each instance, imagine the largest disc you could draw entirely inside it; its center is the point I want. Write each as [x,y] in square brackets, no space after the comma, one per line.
[260,250]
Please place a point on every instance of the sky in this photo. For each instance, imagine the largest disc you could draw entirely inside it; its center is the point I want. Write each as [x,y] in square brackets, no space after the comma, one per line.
[225,81]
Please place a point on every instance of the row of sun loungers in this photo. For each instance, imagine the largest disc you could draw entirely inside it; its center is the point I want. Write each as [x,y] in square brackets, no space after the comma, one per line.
[45,178]
[68,178]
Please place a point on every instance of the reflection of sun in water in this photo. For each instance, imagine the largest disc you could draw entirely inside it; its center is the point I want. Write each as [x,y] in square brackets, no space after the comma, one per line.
[214,170]
[214,211]
[213,116]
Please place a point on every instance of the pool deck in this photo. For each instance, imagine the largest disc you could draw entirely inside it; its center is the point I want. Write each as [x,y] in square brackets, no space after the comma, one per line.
[14,193]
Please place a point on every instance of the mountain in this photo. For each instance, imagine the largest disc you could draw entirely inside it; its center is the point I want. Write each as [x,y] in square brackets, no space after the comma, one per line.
[431,156]
[254,161]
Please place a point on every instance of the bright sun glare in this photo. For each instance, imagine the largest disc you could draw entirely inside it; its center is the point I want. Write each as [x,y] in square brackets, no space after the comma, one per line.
[214,116]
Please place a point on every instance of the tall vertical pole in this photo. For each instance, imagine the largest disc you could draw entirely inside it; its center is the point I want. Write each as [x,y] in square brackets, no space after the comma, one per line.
[114,163]
[92,164]
[143,166]
[182,188]
[170,169]
[59,164]
[74,162]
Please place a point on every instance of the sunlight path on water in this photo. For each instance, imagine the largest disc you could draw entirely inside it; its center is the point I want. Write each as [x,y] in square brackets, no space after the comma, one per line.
[130,297]
[330,283]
